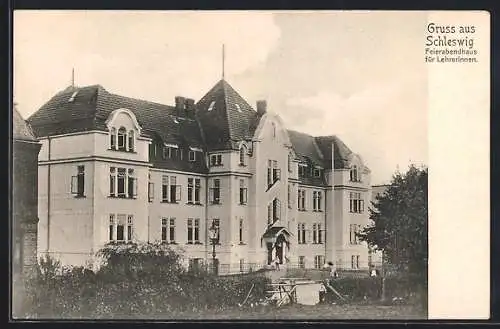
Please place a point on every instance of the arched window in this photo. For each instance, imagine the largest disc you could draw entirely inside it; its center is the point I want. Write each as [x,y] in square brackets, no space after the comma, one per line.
[354,173]
[122,136]
[242,155]
[274,130]
[112,136]
[131,140]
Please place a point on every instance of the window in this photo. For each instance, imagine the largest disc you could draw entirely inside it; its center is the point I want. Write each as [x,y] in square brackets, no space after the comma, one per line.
[273,173]
[302,170]
[170,192]
[122,139]
[319,260]
[274,129]
[354,230]
[121,229]
[216,223]
[353,174]
[122,183]
[242,265]
[168,230]
[301,233]
[356,204]
[193,230]
[194,189]
[242,155]
[355,261]
[289,196]
[302,262]
[131,141]
[151,189]
[243,192]
[240,232]
[317,233]
[215,160]
[192,155]
[112,136]
[302,199]
[112,224]
[130,225]
[72,98]
[290,162]
[317,172]
[170,152]
[78,182]
[215,192]
[317,198]
[274,211]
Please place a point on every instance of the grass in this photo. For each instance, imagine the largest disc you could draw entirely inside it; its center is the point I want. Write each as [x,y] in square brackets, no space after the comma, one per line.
[312,312]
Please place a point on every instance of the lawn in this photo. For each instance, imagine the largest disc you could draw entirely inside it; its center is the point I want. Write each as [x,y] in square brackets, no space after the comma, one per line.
[314,312]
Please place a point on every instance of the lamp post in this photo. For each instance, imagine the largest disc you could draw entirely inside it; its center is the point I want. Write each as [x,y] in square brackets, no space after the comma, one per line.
[212,233]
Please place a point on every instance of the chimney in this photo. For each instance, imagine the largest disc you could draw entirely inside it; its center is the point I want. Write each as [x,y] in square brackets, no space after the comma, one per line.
[189,106]
[261,107]
[179,105]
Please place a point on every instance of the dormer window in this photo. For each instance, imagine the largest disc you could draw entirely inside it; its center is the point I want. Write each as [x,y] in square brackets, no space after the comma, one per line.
[238,108]
[113,138]
[354,174]
[122,140]
[131,140]
[317,172]
[211,107]
[72,98]
[192,155]
[302,170]
[216,160]
[122,135]
[242,155]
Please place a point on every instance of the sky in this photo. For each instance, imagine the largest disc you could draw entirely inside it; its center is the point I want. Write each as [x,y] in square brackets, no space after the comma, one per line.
[359,75]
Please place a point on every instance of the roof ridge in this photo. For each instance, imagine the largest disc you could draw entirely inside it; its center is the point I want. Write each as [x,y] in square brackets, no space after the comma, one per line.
[224,93]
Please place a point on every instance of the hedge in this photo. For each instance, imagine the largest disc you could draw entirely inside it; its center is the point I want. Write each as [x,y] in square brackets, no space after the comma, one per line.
[146,285]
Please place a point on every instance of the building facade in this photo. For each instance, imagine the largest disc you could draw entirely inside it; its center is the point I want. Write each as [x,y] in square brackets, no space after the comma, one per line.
[114,168]
[25,150]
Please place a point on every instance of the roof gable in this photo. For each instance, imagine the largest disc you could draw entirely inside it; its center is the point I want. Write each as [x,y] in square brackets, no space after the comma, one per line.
[21,130]
[225,117]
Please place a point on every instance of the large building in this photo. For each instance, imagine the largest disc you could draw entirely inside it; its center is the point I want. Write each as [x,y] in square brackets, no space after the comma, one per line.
[114,168]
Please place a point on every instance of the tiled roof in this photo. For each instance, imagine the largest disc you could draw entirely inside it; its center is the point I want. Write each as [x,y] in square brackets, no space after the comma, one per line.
[225,117]
[341,151]
[20,128]
[221,120]
[305,147]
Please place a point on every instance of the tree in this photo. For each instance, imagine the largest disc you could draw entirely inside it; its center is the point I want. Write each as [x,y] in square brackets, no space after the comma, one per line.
[400,219]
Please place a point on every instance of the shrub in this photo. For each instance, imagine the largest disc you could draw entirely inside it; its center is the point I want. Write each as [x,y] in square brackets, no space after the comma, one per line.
[136,281]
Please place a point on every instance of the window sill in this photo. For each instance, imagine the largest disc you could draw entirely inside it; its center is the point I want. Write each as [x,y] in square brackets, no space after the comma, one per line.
[80,196]
[174,202]
[215,203]
[242,165]
[216,165]
[166,242]
[302,209]
[123,151]
[318,210]
[242,204]
[194,243]
[122,197]
[194,204]
[242,244]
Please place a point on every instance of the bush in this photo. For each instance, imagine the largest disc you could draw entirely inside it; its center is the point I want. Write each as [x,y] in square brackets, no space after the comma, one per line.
[369,288]
[136,281]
